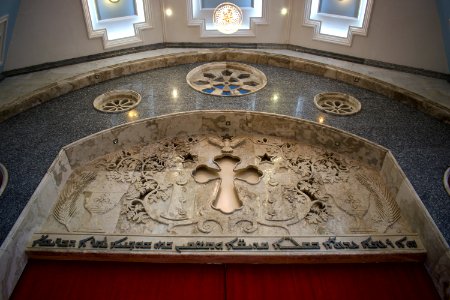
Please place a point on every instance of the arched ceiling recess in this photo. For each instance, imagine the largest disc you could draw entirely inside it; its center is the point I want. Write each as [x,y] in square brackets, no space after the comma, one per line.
[253,15]
[338,21]
[117,23]
[246,56]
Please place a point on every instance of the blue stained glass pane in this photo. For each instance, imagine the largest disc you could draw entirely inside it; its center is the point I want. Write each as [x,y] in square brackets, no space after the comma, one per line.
[349,8]
[215,3]
[219,86]
[226,93]
[232,86]
[109,10]
[209,90]
[243,91]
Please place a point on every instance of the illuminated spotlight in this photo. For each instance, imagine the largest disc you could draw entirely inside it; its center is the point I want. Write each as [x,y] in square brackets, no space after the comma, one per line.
[284,11]
[275,97]
[133,114]
[174,93]
[321,119]
[169,12]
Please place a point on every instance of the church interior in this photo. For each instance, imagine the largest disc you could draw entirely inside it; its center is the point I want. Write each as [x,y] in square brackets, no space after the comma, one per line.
[225,149]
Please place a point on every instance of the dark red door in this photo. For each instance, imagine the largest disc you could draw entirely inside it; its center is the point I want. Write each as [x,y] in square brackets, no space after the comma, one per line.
[108,280]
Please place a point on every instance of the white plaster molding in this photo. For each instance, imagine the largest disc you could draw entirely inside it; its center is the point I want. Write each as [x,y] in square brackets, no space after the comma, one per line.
[199,17]
[351,29]
[3,31]
[88,7]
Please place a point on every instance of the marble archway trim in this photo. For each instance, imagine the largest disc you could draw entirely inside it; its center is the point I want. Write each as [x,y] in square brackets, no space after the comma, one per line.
[65,86]
[316,156]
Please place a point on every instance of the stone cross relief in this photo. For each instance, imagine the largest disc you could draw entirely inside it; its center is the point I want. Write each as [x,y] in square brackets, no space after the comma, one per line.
[226,198]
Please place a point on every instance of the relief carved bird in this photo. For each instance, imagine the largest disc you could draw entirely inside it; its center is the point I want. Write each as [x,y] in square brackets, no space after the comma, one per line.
[227,143]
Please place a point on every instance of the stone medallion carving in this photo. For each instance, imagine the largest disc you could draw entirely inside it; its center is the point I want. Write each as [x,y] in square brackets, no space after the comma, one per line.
[3,178]
[117,101]
[337,103]
[226,79]
[224,184]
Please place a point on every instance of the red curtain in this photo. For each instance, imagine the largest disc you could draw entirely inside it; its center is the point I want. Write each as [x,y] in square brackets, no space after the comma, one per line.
[330,281]
[112,280]
[103,280]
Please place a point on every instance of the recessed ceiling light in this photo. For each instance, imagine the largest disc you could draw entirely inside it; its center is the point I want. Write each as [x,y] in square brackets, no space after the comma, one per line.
[174,93]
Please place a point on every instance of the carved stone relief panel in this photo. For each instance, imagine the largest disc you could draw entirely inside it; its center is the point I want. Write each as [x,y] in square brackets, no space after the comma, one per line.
[212,185]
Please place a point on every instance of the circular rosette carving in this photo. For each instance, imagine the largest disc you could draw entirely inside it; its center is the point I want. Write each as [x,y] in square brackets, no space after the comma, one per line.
[337,103]
[226,79]
[117,101]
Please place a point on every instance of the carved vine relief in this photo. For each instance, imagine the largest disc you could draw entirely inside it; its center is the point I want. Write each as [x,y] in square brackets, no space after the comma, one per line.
[221,185]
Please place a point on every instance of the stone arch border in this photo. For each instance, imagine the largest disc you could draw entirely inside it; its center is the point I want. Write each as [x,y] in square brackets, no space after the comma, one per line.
[246,56]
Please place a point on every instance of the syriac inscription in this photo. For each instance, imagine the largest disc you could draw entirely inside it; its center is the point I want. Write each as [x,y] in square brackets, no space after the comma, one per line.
[226,245]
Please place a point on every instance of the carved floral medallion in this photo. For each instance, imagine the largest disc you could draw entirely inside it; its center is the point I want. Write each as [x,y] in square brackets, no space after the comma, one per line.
[226,79]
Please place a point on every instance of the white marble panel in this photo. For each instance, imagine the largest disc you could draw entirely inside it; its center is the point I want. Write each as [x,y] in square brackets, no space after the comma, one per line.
[13,258]
[12,251]
[437,261]
[392,174]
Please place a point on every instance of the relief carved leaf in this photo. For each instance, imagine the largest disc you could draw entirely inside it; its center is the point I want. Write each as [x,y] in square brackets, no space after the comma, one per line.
[319,213]
[332,168]
[135,212]
[387,209]
[67,205]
